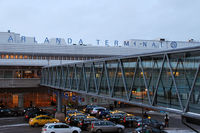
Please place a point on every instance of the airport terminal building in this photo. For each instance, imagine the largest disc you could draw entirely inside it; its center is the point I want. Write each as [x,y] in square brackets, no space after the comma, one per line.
[22,58]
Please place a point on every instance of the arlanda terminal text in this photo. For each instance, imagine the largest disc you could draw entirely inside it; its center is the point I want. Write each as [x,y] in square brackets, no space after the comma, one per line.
[150,44]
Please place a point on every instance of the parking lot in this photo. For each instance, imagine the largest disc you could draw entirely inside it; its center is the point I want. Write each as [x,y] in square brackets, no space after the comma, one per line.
[18,125]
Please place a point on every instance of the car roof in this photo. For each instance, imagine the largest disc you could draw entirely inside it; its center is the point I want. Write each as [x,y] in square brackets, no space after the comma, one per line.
[42,116]
[99,108]
[58,123]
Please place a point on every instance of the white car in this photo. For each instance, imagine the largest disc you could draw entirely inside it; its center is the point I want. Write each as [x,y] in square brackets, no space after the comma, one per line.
[96,109]
[59,128]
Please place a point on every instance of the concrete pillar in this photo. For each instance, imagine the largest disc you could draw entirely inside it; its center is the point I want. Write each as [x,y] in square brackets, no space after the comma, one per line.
[59,101]
[21,100]
[59,115]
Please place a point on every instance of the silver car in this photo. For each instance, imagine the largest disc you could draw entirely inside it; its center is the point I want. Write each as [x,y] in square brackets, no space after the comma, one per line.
[105,126]
[59,128]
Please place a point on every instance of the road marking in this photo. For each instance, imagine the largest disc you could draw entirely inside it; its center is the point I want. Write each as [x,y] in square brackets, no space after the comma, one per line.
[15,125]
[10,118]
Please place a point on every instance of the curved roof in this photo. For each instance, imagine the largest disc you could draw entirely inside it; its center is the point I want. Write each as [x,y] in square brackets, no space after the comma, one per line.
[48,49]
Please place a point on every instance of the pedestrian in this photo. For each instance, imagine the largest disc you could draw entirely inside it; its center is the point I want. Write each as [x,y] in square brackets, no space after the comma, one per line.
[166,120]
[111,107]
[145,115]
[115,103]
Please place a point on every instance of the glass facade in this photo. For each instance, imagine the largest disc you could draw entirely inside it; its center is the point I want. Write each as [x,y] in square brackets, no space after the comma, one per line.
[46,57]
[20,72]
[169,80]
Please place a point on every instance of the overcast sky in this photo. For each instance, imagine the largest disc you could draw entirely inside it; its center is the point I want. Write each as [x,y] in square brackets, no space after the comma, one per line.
[102,19]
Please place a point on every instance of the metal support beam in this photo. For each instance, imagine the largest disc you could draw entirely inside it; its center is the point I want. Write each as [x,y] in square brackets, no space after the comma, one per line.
[145,81]
[192,88]
[177,92]
[59,101]
[158,81]
[124,79]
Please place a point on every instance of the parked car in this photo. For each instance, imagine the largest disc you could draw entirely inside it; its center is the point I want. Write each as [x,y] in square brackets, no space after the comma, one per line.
[84,124]
[70,115]
[8,112]
[118,112]
[34,113]
[152,123]
[115,117]
[75,119]
[72,111]
[41,120]
[30,108]
[148,129]
[95,110]
[105,126]
[88,108]
[102,114]
[59,128]
[129,121]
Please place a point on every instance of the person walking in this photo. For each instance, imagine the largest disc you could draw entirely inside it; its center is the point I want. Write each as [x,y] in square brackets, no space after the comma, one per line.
[166,120]
[145,115]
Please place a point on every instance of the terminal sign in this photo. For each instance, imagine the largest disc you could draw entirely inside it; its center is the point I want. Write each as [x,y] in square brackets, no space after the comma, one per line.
[130,43]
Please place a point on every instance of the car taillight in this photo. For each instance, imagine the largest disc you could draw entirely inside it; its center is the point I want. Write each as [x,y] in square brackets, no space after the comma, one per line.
[44,129]
[92,125]
[26,116]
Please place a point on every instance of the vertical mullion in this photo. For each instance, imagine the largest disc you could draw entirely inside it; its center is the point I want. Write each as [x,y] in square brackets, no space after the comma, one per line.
[69,77]
[85,79]
[145,81]
[94,75]
[170,67]
[65,77]
[42,77]
[192,88]
[49,77]
[102,70]
[123,78]
[114,79]
[88,82]
[130,92]
[158,81]
[107,77]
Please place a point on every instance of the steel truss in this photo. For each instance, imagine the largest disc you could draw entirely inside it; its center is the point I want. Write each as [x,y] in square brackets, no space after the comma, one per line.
[166,81]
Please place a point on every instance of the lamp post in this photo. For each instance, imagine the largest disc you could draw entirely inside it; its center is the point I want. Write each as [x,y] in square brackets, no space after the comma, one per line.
[142,112]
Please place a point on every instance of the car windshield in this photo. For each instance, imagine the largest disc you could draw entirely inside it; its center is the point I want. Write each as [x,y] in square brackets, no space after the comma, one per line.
[72,111]
[91,106]
[79,117]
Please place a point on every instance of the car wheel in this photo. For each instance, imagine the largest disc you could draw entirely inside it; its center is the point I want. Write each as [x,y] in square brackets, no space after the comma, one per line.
[98,131]
[36,124]
[52,132]
[75,132]
[120,130]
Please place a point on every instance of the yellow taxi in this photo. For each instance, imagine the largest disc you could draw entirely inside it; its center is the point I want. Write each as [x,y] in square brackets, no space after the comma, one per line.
[89,116]
[117,111]
[72,114]
[121,112]
[41,120]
